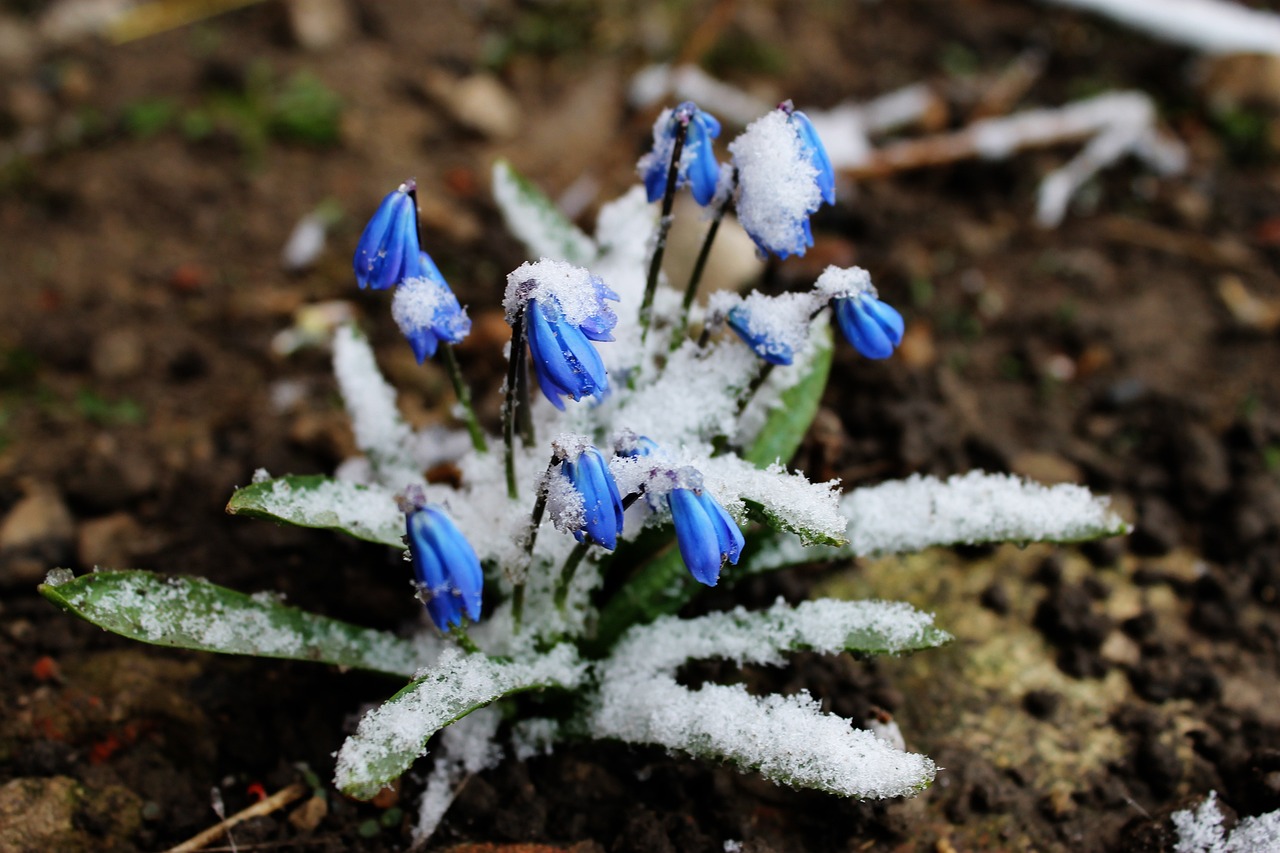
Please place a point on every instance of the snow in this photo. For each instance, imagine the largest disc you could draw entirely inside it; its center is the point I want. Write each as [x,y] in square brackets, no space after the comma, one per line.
[381,433]
[1200,831]
[1213,26]
[573,288]
[777,182]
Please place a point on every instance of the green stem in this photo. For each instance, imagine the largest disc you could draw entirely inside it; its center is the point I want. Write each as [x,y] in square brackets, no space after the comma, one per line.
[514,363]
[460,637]
[463,393]
[749,395]
[695,278]
[567,573]
[664,226]
[535,522]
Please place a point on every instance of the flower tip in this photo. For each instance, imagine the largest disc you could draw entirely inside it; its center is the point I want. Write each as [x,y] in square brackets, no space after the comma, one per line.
[874,328]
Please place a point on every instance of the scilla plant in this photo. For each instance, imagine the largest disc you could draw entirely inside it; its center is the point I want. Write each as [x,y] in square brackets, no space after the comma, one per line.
[649,465]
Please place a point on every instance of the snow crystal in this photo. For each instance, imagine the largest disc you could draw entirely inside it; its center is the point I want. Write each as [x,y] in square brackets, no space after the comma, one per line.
[1200,831]
[777,180]
[534,736]
[57,577]
[781,322]
[810,509]
[564,503]
[417,305]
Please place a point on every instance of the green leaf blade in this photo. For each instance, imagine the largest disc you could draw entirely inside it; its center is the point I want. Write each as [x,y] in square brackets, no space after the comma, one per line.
[316,501]
[192,613]
[789,421]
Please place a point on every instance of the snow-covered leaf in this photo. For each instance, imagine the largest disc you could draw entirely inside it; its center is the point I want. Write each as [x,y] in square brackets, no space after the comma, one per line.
[365,512]
[535,221]
[393,736]
[192,613]
[903,516]
[787,739]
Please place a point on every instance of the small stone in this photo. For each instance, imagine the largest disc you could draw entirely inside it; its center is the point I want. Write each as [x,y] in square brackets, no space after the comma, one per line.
[35,536]
[306,817]
[1047,468]
[1041,704]
[112,541]
[319,24]
[118,354]
[479,102]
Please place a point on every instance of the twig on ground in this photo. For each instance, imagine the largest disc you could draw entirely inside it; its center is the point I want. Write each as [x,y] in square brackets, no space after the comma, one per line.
[276,801]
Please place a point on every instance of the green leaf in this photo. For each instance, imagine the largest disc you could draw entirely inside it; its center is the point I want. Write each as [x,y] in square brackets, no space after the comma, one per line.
[192,613]
[536,221]
[314,500]
[661,587]
[393,736]
[789,421]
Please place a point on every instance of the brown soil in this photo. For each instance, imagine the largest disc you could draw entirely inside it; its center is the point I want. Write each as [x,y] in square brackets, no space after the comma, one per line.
[1093,690]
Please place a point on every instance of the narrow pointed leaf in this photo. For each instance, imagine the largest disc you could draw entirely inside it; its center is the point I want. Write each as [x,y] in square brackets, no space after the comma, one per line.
[393,736]
[536,221]
[314,500]
[789,421]
[192,613]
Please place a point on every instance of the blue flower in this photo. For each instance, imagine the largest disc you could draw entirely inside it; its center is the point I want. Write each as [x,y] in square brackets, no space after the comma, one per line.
[599,325]
[601,503]
[448,571]
[873,327]
[698,167]
[767,342]
[426,310]
[388,248]
[706,534]
[784,176]
[564,360]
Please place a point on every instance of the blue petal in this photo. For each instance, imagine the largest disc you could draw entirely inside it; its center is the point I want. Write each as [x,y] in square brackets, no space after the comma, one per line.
[709,123]
[704,171]
[655,179]
[728,537]
[817,156]
[423,342]
[696,536]
[873,327]
[446,566]
[601,503]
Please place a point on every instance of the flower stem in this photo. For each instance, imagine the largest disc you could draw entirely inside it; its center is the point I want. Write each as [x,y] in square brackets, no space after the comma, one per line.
[664,226]
[567,573]
[460,637]
[756,384]
[695,278]
[509,404]
[535,521]
[463,393]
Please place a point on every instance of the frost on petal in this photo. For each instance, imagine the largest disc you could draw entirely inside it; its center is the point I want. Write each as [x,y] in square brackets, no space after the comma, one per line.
[777,185]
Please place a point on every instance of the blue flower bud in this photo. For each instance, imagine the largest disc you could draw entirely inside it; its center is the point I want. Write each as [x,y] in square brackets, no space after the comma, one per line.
[817,154]
[698,166]
[388,248]
[426,310]
[873,327]
[448,571]
[564,360]
[706,534]
[601,504]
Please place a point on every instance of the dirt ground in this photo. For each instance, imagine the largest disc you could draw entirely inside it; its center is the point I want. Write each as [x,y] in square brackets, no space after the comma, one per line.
[146,191]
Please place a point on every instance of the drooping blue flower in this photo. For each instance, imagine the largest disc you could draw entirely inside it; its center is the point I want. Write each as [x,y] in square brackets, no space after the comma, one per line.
[873,327]
[775,327]
[601,504]
[450,580]
[599,324]
[630,444]
[706,534]
[564,359]
[698,167]
[784,176]
[426,310]
[388,249]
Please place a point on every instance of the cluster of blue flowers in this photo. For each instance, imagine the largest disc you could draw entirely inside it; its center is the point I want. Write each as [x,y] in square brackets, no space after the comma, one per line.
[389,254]
[561,323]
